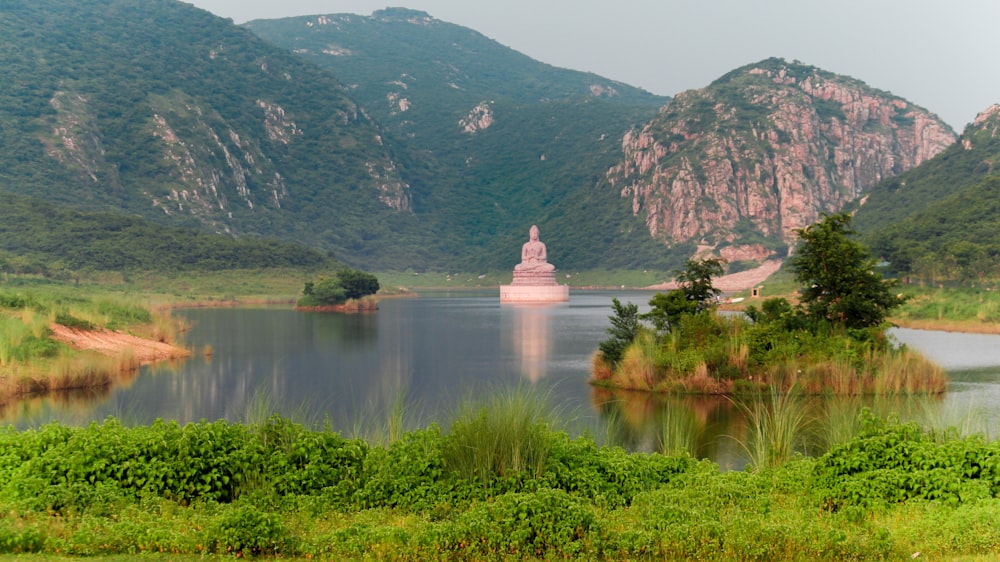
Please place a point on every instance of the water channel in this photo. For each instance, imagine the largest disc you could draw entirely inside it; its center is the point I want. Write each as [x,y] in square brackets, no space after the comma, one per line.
[433,352]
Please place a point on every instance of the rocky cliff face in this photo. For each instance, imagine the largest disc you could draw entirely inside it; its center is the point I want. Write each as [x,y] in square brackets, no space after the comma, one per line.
[738,166]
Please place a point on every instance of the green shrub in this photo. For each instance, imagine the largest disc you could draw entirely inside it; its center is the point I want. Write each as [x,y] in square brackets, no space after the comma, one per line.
[246,531]
[891,463]
[70,321]
[300,461]
[411,475]
[544,523]
[16,538]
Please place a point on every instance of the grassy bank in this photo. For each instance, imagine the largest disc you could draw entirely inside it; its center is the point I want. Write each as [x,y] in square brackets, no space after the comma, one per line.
[952,309]
[33,360]
[501,483]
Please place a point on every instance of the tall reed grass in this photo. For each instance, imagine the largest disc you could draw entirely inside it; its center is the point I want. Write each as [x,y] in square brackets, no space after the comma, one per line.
[777,428]
[679,429]
[391,426]
[505,434]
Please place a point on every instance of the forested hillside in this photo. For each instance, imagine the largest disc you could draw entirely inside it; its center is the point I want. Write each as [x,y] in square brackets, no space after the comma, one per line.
[504,141]
[940,222]
[163,110]
[42,238]
[397,141]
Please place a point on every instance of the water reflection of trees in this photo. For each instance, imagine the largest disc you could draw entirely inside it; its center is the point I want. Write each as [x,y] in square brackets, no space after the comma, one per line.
[718,427]
[356,329]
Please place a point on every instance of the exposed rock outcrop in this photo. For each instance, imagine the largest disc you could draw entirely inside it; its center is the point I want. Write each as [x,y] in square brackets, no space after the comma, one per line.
[763,151]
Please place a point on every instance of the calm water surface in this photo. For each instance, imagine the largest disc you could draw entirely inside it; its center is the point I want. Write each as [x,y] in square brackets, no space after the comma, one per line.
[435,351]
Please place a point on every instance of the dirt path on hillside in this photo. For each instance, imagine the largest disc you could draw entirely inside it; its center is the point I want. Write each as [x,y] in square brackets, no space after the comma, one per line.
[736,281]
[116,343]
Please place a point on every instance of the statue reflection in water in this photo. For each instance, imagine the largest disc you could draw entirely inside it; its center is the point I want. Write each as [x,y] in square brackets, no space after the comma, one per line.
[530,339]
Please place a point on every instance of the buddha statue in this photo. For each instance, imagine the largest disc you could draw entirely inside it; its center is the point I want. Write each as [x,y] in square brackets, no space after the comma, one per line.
[533,256]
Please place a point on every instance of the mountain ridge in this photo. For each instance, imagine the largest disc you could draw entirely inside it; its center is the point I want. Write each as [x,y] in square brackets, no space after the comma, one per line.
[738,166]
[392,157]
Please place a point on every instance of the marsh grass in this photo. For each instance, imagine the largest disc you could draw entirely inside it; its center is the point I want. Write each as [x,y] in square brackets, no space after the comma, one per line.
[34,363]
[948,423]
[905,371]
[505,434]
[679,429]
[722,353]
[778,428]
[382,430]
[840,422]
[600,368]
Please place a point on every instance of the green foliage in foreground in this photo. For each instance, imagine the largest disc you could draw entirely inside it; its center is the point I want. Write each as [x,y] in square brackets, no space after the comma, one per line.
[279,488]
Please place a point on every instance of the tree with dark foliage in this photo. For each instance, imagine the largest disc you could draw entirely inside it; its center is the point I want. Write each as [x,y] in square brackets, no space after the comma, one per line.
[841,285]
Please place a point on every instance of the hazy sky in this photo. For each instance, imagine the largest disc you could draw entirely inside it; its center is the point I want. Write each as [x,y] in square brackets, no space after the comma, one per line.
[940,54]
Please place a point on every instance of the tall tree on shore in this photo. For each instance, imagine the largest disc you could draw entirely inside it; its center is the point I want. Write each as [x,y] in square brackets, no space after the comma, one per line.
[841,285]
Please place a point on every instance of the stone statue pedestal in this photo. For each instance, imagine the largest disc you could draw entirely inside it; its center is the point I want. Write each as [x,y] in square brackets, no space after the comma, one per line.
[534,278]
[534,293]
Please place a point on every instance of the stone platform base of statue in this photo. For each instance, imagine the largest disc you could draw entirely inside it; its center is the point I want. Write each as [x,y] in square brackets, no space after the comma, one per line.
[534,293]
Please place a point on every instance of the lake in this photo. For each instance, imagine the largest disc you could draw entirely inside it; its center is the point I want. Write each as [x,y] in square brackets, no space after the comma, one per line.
[431,353]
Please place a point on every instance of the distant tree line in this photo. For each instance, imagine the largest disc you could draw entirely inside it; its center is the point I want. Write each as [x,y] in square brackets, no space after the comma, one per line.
[41,238]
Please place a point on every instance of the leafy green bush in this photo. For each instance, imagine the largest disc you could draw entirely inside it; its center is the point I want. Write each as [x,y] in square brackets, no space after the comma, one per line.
[14,539]
[70,321]
[245,530]
[543,523]
[300,461]
[890,463]
[411,475]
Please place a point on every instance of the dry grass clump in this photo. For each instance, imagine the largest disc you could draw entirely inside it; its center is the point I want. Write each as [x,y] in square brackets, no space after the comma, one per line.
[637,369]
[600,368]
[367,303]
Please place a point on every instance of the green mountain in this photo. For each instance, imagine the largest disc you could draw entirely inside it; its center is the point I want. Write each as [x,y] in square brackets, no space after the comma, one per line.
[503,141]
[159,109]
[939,221]
[397,141]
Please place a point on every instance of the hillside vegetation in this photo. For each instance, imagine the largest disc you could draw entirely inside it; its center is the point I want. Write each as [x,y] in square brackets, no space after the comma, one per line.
[502,141]
[163,110]
[42,238]
[739,166]
[399,142]
[938,223]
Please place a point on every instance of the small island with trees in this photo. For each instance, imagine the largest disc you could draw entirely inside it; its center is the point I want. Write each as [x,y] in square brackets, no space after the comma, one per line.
[349,290]
[833,341]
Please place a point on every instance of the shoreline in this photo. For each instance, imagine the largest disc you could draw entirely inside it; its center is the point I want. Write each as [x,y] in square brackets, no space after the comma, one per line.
[107,342]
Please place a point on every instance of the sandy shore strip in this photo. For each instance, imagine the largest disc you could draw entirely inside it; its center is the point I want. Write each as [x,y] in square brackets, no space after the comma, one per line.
[115,343]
